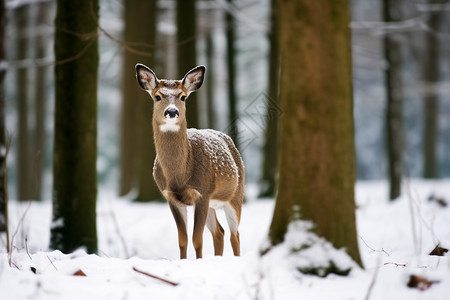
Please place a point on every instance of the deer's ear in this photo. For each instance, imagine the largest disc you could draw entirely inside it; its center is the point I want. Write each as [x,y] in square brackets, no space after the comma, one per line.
[193,80]
[146,77]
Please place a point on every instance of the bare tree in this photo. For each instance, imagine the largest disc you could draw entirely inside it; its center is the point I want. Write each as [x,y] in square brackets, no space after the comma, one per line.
[3,204]
[394,103]
[75,141]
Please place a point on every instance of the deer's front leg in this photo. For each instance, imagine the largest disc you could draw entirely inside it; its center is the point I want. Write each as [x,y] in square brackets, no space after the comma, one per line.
[200,215]
[179,213]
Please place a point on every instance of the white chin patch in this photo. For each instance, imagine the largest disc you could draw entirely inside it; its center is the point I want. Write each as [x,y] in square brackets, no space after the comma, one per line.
[170,124]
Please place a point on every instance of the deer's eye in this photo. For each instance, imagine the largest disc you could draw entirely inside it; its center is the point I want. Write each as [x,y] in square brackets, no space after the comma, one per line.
[183,98]
[158,98]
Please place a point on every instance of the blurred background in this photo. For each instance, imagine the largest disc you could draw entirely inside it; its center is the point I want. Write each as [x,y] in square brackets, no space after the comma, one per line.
[401,73]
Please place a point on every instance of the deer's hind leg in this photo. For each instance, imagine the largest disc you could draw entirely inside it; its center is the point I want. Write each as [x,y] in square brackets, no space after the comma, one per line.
[233,218]
[217,231]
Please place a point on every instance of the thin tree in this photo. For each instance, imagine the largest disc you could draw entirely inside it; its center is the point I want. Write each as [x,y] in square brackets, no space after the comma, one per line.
[394,104]
[3,204]
[186,18]
[317,156]
[40,103]
[23,156]
[270,163]
[137,150]
[430,66]
[210,78]
[231,73]
[75,140]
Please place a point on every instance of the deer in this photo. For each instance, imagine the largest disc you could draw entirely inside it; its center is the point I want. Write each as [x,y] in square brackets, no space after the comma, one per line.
[193,167]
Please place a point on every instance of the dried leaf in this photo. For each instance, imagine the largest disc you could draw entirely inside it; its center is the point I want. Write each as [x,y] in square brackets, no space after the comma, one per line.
[439,251]
[79,273]
[420,283]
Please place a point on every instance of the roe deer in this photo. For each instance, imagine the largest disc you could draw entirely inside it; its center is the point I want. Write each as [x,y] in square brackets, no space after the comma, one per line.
[202,168]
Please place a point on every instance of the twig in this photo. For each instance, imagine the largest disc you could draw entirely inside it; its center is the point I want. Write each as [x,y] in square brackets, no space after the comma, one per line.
[155,277]
[374,279]
[119,233]
[395,264]
[52,263]
[26,247]
[416,244]
[123,44]
[17,229]
[373,250]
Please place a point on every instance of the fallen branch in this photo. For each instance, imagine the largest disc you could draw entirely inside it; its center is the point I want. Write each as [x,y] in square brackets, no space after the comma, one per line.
[155,277]
[395,264]
[372,249]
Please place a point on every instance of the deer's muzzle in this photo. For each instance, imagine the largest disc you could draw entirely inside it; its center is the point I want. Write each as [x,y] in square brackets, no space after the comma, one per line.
[171,113]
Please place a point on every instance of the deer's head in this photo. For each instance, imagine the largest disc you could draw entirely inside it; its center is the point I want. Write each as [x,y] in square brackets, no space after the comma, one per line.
[169,96]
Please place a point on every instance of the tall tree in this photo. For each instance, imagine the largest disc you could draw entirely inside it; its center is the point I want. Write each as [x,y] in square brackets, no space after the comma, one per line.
[317,157]
[210,78]
[24,191]
[137,150]
[430,66]
[231,71]
[40,102]
[394,103]
[187,52]
[75,140]
[270,163]
[3,204]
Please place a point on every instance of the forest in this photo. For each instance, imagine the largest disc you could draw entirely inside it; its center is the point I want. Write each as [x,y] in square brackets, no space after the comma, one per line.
[339,110]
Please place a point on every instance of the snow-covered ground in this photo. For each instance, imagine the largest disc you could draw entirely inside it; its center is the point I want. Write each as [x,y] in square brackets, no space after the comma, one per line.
[395,239]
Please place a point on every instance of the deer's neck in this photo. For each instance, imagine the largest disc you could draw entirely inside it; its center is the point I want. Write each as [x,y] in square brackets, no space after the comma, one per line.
[174,154]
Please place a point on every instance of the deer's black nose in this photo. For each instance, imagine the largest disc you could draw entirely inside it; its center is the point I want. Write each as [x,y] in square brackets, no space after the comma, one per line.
[171,113]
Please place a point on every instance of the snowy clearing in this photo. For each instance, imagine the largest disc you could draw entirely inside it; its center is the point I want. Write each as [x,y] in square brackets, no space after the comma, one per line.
[143,236]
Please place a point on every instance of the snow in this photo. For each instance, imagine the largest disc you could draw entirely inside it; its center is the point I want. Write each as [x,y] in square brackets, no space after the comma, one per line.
[217,147]
[143,236]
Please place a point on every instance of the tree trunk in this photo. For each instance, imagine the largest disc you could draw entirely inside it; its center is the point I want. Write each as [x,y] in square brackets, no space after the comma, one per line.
[430,67]
[3,182]
[270,162]
[23,157]
[187,52]
[317,157]
[210,79]
[40,105]
[75,144]
[231,74]
[137,150]
[394,107]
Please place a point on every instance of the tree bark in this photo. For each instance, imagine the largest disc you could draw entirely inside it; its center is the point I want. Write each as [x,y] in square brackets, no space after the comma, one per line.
[75,140]
[317,157]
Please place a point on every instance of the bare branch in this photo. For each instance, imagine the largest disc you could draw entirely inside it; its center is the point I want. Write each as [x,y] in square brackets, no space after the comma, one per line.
[156,277]
[373,250]
[395,264]
[241,17]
